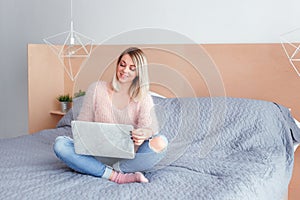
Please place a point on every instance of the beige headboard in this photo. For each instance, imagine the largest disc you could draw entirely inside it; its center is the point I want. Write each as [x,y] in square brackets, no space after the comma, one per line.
[257,71]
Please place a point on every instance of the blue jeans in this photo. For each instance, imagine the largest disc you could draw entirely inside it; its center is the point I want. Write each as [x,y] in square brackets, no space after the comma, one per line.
[144,160]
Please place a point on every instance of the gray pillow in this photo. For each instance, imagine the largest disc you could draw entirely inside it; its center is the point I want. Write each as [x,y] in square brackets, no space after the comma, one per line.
[72,114]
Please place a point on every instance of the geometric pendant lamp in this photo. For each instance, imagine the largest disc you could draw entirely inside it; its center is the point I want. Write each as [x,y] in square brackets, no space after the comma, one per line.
[291,45]
[69,45]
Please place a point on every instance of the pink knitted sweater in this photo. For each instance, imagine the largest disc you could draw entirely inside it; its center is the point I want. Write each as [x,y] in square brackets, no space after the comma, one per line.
[97,107]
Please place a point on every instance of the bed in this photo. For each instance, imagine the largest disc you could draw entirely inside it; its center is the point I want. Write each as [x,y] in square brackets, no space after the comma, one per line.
[220,148]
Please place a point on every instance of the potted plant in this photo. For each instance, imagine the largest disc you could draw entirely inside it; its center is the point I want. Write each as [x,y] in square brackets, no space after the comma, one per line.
[79,93]
[65,102]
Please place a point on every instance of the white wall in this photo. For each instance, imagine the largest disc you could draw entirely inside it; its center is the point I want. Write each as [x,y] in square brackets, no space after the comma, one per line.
[197,21]
[204,21]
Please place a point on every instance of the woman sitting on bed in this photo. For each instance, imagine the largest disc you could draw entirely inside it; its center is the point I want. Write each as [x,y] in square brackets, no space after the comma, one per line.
[126,100]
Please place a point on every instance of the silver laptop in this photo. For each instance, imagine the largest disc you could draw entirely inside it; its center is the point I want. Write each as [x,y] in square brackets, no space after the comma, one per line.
[103,139]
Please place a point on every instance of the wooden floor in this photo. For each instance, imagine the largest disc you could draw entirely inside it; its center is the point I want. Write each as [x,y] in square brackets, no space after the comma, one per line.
[294,187]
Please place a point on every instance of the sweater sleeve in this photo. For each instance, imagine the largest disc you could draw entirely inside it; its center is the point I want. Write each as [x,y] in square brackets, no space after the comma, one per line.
[87,110]
[146,116]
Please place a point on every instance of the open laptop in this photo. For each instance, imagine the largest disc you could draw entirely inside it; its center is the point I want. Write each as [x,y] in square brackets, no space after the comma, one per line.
[103,139]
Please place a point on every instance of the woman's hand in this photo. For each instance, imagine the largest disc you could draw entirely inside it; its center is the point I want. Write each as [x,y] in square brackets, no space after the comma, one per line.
[140,135]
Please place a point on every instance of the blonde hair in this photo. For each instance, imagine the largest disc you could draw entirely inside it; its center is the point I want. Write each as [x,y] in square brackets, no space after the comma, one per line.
[140,85]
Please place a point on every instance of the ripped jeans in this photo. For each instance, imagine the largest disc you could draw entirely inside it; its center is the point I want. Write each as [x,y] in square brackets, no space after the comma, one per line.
[145,158]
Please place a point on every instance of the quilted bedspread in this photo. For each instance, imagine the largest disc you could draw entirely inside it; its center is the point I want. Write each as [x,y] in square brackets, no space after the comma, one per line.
[219,148]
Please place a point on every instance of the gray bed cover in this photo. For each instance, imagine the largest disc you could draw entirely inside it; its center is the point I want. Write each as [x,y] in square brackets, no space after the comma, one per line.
[220,148]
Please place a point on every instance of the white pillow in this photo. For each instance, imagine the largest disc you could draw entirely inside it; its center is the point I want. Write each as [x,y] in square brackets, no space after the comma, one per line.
[297,144]
[297,122]
[156,94]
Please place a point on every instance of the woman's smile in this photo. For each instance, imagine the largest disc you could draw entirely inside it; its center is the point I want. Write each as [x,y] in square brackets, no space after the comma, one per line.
[126,71]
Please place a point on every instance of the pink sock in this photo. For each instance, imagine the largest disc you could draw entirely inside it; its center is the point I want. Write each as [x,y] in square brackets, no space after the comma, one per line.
[120,178]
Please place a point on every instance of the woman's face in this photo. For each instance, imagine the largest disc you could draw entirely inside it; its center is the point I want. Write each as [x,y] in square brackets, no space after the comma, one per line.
[126,70]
